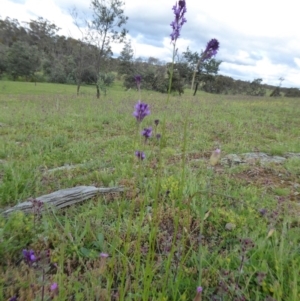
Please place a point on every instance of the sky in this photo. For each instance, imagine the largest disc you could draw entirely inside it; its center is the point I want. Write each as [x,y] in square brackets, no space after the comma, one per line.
[258,38]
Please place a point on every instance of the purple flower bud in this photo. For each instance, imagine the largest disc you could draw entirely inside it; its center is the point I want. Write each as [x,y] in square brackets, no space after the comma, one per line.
[147,132]
[32,258]
[29,256]
[156,122]
[140,155]
[103,255]
[141,111]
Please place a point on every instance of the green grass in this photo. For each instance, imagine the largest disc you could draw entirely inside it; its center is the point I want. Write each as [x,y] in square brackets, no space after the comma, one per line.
[165,236]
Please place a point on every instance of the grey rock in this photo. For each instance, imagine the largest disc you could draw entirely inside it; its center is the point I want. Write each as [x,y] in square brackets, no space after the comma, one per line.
[247,158]
[230,226]
[232,159]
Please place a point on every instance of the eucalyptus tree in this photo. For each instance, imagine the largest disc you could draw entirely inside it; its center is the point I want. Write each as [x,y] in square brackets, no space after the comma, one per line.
[22,60]
[206,66]
[256,88]
[11,31]
[126,59]
[43,34]
[3,58]
[105,28]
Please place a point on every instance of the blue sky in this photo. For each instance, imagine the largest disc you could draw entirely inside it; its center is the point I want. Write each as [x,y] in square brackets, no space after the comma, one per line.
[258,39]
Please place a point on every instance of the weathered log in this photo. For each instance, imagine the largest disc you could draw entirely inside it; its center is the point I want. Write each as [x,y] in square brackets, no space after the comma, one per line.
[63,198]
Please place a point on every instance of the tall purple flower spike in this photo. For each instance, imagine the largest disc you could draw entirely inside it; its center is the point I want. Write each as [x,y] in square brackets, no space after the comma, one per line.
[179,11]
[211,49]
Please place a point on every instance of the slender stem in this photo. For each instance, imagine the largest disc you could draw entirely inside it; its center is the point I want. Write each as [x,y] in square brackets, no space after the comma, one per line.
[194,75]
[200,252]
[192,86]
[163,138]
[43,284]
[171,73]
[182,180]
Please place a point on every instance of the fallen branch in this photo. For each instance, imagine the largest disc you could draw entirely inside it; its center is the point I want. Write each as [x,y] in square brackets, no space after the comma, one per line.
[64,197]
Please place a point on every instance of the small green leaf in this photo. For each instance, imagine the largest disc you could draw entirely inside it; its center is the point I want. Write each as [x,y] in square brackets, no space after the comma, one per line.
[100,238]
[85,252]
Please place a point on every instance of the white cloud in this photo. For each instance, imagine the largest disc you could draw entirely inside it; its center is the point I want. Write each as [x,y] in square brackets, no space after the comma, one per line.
[297,61]
[259,18]
[265,69]
[32,9]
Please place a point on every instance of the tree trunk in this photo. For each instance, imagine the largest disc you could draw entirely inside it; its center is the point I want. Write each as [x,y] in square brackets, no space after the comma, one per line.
[78,87]
[98,91]
[196,88]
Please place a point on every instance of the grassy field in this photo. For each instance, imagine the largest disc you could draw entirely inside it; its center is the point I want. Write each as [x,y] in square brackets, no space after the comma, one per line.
[180,224]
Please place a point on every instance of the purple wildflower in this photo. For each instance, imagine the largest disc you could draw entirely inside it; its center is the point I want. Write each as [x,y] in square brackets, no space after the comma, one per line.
[211,49]
[199,294]
[199,289]
[29,256]
[138,80]
[140,155]
[14,298]
[54,286]
[103,255]
[179,11]
[147,132]
[141,111]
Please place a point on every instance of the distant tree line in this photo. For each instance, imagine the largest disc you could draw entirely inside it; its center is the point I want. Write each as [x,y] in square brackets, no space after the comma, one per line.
[34,51]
